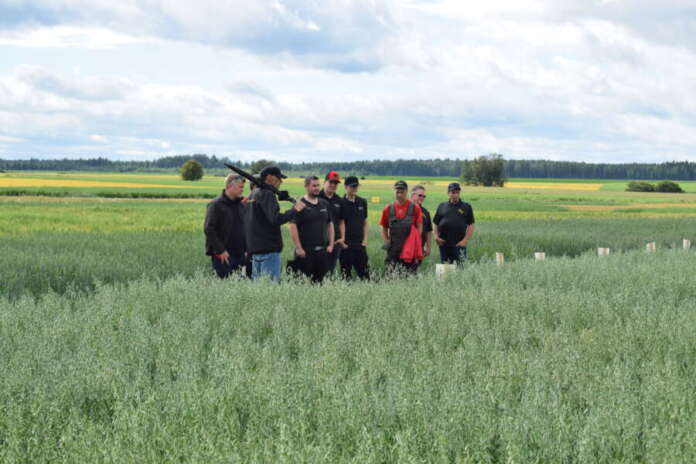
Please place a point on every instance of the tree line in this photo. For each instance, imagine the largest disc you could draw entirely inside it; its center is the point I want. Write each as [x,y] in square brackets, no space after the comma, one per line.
[439,167]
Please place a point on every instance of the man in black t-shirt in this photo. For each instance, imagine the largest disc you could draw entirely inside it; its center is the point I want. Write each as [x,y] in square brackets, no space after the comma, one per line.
[312,232]
[329,194]
[418,197]
[454,226]
[354,254]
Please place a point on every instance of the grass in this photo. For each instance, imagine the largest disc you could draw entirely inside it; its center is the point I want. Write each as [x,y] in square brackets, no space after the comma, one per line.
[583,360]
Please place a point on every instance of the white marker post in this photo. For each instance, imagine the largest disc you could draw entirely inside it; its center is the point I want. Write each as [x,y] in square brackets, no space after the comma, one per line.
[603,251]
[441,270]
[540,256]
[686,244]
[499,259]
[650,247]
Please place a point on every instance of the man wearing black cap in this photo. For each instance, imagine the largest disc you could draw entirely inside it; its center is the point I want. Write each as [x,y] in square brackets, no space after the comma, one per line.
[329,194]
[263,220]
[454,226]
[396,221]
[312,232]
[224,229]
[354,254]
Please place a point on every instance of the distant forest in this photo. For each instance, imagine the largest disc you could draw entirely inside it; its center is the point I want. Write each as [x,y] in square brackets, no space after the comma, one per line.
[673,170]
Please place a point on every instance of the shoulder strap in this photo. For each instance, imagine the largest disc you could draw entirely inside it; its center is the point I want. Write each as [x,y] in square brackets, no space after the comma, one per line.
[410,209]
[392,211]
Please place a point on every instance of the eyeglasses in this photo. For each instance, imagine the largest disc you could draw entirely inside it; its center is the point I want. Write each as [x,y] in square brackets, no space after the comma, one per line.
[421,196]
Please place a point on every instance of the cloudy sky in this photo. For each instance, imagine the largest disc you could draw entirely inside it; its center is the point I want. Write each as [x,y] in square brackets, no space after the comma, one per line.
[301,80]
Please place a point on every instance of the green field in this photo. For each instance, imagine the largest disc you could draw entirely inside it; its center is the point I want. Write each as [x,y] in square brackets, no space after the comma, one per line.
[117,344]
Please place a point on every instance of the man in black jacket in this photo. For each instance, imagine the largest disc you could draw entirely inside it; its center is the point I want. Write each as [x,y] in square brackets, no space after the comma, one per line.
[263,220]
[224,229]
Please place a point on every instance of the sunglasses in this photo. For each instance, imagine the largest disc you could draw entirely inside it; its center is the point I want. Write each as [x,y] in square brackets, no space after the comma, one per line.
[421,196]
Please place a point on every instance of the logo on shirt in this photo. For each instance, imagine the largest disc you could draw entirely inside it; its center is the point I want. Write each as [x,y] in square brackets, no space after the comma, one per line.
[461,211]
[323,210]
[360,208]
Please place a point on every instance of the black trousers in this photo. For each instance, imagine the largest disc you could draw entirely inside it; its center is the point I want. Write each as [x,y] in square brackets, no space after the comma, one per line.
[333,257]
[314,265]
[355,258]
[235,263]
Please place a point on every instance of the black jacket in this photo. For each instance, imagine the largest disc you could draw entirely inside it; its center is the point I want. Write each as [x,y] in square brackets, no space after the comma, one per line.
[263,220]
[224,226]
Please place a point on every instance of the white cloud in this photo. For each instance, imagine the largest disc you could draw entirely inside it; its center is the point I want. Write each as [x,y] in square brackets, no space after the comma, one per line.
[344,79]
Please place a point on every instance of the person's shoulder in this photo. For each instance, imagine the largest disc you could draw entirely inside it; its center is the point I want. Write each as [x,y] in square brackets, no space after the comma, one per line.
[361,200]
[215,202]
[323,202]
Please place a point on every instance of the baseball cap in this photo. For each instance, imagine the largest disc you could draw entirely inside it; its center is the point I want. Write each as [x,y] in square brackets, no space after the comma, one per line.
[333,177]
[453,186]
[272,171]
[352,181]
[401,184]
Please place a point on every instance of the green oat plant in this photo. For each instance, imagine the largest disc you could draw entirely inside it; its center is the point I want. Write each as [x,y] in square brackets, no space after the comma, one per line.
[65,262]
[566,360]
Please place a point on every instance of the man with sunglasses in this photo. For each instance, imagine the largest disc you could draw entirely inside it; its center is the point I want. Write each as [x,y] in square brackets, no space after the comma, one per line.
[329,194]
[418,197]
[225,240]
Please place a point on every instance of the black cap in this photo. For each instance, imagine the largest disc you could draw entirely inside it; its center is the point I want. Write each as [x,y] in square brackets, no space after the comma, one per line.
[453,186]
[272,171]
[401,184]
[352,181]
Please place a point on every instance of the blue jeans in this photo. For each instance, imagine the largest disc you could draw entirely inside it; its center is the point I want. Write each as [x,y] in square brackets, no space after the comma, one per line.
[266,264]
[452,254]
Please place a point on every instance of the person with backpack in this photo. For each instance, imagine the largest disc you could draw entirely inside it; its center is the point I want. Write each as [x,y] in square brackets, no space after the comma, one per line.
[399,220]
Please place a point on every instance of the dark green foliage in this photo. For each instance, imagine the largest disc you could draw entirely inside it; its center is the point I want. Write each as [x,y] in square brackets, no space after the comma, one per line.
[640,186]
[439,167]
[191,170]
[256,166]
[484,170]
[667,186]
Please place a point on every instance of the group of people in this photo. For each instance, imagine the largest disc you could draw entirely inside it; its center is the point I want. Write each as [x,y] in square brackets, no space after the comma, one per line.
[243,234]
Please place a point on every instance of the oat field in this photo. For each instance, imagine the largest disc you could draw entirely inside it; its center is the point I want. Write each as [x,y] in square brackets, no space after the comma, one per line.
[117,344]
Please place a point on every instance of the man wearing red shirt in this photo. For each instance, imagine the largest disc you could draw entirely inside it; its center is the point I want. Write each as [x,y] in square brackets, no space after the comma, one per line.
[397,219]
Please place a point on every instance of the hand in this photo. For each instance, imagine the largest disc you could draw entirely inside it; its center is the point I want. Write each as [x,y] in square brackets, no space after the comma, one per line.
[300,253]
[329,249]
[439,241]
[224,257]
[364,244]
[245,200]
[463,242]
[426,252]
[299,206]
[341,242]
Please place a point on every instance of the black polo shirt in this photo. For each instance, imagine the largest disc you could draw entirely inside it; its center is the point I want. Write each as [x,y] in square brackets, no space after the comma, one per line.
[354,215]
[427,224]
[312,224]
[336,211]
[452,219]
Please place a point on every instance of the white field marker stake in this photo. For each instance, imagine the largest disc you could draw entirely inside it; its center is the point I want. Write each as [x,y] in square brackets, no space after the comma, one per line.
[540,256]
[686,244]
[650,247]
[441,270]
[499,259]
[603,251]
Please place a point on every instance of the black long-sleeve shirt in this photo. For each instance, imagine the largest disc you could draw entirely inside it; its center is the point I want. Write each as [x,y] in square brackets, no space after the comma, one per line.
[263,220]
